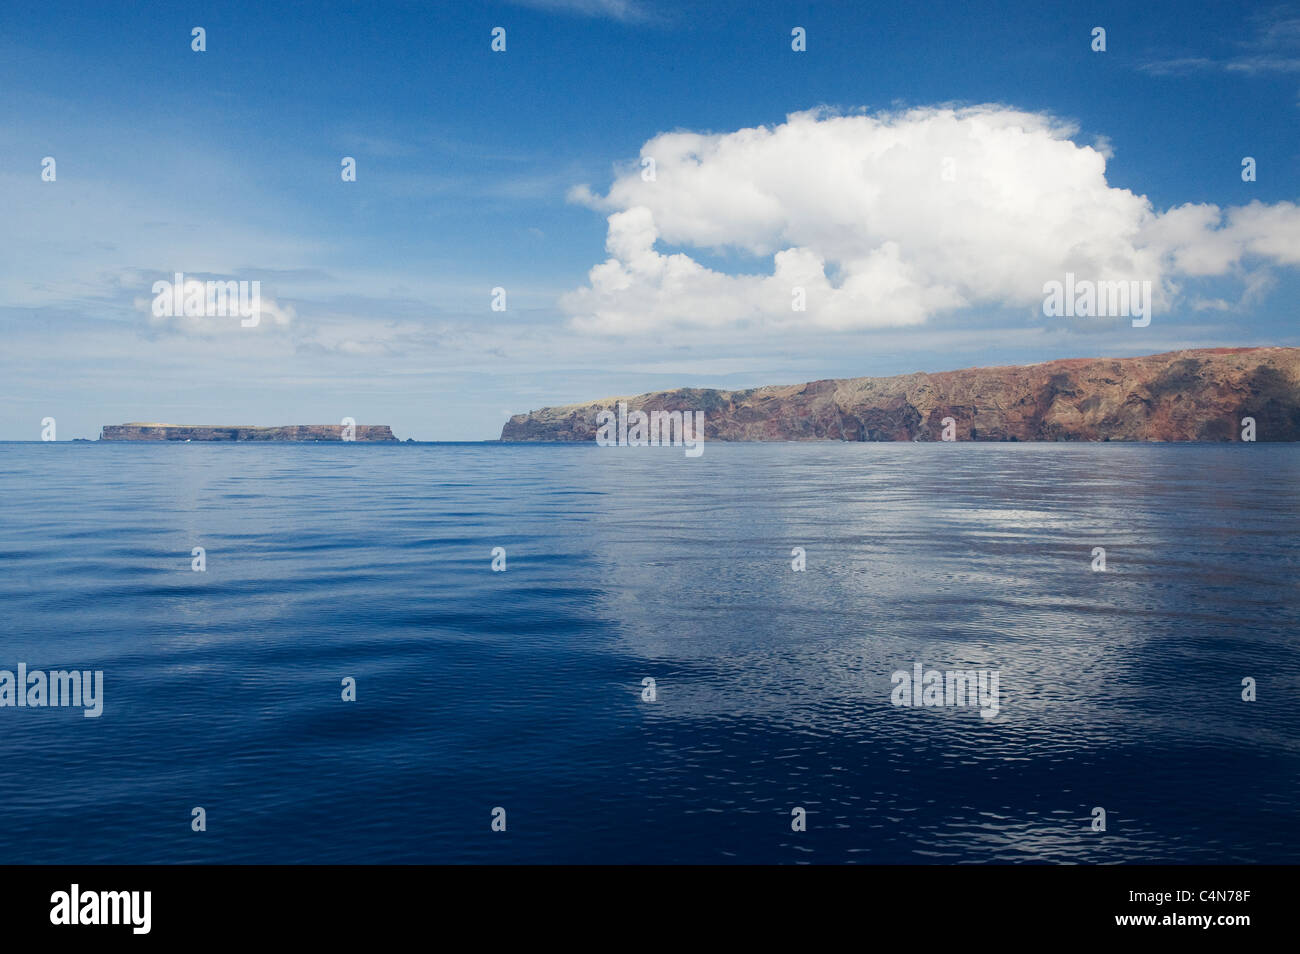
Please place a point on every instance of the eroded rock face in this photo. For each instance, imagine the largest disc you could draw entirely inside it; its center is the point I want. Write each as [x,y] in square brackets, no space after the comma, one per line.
[223,432]
[1199,395]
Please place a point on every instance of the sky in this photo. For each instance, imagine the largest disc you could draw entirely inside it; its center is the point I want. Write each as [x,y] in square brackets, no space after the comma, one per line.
[918,173]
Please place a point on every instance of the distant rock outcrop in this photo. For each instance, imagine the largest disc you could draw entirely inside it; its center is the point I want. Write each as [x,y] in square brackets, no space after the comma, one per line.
[1199,395]
[227,432]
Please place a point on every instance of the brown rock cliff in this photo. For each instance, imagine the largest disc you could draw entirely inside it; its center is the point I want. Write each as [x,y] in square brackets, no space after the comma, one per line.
[1197,395]
[226,432]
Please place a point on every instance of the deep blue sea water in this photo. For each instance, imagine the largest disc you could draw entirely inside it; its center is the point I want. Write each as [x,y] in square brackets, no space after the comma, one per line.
[523,689]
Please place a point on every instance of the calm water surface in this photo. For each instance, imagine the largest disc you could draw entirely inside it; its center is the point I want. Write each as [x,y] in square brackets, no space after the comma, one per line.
[522,689]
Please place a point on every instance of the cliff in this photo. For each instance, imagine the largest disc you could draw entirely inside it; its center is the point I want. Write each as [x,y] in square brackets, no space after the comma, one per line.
[227,432]
[1198,395]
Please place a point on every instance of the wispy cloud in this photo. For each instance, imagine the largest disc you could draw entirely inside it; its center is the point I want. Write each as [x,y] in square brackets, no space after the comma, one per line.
[1179,65]
[625,11]
[1264,64]
[1250,65]
[1273,48]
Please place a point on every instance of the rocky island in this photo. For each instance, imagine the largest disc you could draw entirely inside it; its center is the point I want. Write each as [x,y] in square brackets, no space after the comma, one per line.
[239,432]
[1195,395]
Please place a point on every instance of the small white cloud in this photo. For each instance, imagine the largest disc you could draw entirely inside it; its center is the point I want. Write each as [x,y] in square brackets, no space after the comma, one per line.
[271,316]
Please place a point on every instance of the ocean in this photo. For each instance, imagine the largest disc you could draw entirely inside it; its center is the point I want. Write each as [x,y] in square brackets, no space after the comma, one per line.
[518,695]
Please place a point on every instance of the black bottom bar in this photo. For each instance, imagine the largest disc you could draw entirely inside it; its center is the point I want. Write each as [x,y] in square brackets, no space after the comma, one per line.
[944,904]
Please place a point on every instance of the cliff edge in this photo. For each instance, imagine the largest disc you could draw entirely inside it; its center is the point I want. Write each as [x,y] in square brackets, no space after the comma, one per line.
[227,432]
[1195,395]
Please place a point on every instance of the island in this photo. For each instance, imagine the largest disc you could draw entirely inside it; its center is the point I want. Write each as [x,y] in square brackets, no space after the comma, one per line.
[136,431]
[1192,395]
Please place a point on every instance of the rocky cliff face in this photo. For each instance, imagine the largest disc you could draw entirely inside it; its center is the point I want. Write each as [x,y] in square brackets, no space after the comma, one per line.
[1199,395]
[224,432]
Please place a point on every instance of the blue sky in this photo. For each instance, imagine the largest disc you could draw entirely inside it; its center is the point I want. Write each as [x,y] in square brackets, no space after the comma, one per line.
[478,169]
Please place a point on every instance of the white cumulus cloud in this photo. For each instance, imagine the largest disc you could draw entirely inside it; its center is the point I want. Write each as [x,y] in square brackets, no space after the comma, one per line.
[886,220]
